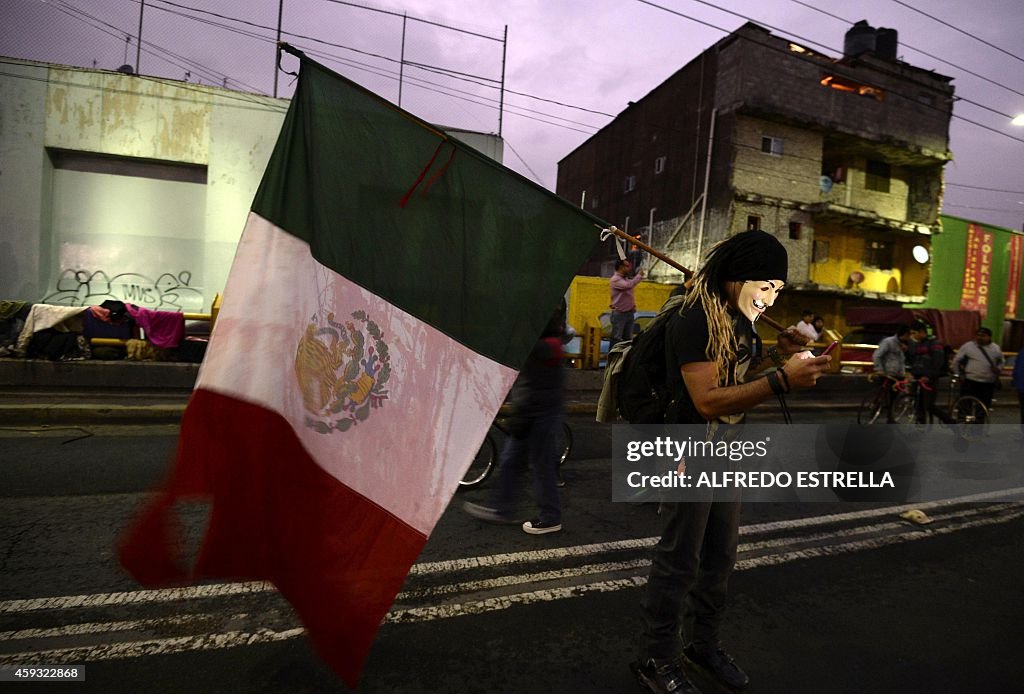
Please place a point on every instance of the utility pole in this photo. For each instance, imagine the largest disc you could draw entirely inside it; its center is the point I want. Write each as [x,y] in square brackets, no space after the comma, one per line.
[401,62]
[501,103]
[138,45]
[277,45]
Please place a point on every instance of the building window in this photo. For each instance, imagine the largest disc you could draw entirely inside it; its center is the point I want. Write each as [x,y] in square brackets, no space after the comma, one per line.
[878,173]
[795,230]
[820,251]
[630,184]
[659,165]
[878,254]
[753,222]
[772,145]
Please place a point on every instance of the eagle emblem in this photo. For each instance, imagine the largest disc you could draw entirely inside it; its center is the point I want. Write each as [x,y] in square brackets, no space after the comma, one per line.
[341,370]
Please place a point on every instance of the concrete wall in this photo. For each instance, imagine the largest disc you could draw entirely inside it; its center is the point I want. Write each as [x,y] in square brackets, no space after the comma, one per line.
[70,235]
[761,72]
[64,234]
[589,298]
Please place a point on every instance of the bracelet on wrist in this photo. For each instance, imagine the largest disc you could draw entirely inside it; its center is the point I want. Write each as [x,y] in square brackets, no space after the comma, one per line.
[776,356]
[784,379]
[774,383]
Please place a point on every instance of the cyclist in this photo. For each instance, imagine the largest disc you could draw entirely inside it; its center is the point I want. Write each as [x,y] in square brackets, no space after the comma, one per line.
[981,363]
[890,360]
[926,357]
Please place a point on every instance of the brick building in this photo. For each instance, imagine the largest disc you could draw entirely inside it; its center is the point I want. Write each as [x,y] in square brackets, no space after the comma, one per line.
[841,158]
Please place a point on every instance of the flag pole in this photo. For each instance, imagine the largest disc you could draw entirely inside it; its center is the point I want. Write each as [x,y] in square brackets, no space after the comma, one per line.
[686,271]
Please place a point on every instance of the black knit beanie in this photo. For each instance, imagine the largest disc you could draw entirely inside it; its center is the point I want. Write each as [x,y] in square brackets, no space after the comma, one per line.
[749,255]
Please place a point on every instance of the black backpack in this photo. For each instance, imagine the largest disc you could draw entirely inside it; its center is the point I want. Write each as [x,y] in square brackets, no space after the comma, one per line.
[635,374]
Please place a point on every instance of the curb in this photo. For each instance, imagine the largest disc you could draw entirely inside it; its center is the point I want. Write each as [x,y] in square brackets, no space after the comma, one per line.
[57,414]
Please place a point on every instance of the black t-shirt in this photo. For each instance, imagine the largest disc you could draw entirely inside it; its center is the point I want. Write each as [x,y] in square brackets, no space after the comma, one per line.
[686,341]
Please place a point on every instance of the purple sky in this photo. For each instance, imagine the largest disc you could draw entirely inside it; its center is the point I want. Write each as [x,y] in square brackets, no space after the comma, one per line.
[597,55]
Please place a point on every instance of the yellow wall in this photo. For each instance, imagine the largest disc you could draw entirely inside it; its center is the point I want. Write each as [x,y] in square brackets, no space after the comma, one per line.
[846,253]
[589,297]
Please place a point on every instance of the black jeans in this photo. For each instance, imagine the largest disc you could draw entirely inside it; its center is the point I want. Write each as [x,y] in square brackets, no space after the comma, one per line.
[982,391]
[690,570]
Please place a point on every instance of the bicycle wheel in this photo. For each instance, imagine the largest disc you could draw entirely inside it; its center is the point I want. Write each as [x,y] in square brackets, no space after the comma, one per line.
[871,409]
[483,463]
[971,417]
[903,408]
[564,443]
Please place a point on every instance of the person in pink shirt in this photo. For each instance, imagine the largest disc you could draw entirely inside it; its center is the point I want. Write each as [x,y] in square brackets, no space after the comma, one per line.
[623,304]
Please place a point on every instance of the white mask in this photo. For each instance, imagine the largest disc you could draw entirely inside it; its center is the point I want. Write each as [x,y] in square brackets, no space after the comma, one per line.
[755,296]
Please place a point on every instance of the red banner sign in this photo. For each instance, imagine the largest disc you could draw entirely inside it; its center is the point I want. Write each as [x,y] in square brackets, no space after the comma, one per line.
[1016,252]
[977,270]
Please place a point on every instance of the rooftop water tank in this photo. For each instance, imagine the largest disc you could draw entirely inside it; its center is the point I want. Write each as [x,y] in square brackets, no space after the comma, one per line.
[886,43]
[860,38]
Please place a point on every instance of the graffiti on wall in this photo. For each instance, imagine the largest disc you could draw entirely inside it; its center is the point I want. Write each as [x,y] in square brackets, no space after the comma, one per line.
[168,292]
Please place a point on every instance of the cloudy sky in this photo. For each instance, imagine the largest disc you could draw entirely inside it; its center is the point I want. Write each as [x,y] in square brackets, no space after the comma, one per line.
[570,65]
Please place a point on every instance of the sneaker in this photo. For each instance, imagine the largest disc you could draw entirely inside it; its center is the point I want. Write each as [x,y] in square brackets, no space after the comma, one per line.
[535,527]
[663,677]
[718,664]
[488,514]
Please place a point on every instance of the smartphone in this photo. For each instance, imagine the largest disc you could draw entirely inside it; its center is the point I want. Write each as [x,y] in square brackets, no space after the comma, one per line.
[831,347]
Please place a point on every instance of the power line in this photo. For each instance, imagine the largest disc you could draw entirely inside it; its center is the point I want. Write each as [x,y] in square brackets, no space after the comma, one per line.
[991,190]
[986,209]
[534,173]
[442,71]
[916,50]
[153,49]
[807,58]
[415,19]
[956,28]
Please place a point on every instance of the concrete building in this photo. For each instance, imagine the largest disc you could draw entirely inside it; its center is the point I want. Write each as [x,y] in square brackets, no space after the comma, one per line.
[841,158]
[118,186]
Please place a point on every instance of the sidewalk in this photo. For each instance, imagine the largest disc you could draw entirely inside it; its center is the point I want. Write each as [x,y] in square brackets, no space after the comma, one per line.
[43,393]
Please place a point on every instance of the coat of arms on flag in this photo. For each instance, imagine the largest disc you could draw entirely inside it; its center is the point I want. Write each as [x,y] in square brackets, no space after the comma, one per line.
[370,330]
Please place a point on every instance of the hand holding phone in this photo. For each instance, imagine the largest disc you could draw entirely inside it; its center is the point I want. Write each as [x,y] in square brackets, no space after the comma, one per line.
[831,347]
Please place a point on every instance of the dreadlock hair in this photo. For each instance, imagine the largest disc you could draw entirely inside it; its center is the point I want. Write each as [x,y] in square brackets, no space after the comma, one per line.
[708,291]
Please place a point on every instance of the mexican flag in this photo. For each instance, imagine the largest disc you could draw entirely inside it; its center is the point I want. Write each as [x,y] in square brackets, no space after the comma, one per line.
[388,284]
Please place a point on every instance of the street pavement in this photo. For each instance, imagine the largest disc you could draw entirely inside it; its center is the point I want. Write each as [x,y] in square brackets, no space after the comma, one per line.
[835,597]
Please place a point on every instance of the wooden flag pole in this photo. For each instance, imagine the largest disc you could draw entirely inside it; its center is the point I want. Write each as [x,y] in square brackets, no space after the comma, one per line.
[686,271]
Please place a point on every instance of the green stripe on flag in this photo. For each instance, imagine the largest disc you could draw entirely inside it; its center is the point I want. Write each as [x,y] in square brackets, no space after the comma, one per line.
[483,255]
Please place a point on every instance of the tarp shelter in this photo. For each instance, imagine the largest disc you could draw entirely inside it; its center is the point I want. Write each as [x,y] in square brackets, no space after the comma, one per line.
[953,328]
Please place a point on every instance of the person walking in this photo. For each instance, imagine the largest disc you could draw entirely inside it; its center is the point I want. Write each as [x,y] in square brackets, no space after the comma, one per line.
[623,304]
[711,345]
[889,359]
[981,363]
[536,403]
[1018,384]
[926,359]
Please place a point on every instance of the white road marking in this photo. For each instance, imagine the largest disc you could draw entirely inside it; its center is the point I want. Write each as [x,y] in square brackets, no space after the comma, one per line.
[139,649]
[136,649]
[105,627]
[64,602]
[426,568]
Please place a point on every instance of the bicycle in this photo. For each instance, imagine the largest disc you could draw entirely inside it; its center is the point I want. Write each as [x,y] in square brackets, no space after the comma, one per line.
[483,463]
[970,413]
[874,404]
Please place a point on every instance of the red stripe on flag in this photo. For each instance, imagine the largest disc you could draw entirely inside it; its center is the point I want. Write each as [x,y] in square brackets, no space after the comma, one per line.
[337,557]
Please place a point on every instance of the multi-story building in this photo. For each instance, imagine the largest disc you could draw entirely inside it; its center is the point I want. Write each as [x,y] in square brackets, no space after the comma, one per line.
[841,158]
